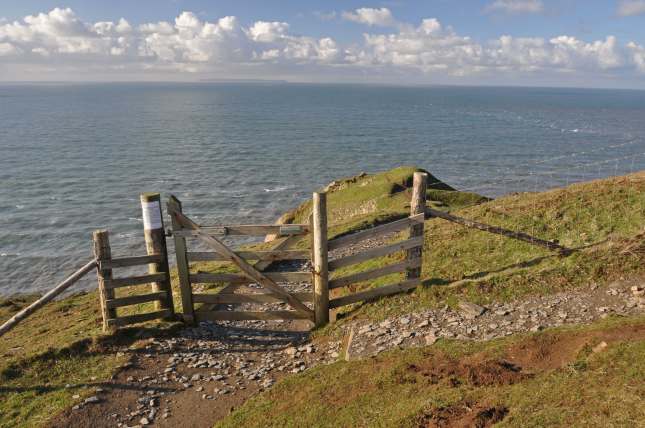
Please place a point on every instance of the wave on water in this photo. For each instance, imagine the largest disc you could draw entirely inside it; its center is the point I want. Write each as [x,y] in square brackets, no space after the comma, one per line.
[277,189]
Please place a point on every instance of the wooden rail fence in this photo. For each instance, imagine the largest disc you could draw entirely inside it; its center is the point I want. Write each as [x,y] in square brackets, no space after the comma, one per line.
[108,285]
[409,265]
[253,264]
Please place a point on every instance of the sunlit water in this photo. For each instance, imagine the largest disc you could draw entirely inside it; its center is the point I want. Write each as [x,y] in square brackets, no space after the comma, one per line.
[74,158]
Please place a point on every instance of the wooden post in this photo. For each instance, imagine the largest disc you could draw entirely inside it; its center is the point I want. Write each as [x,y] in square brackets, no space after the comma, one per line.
[103,253]
[155,237]
[185,289]
[417,206]
[320,259]
[47,297]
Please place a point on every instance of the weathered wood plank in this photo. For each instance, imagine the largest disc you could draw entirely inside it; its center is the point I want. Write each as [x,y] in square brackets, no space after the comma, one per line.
[155,237]
[374,273]
[282,243]
[130,261]
[374,293]
[320,259]
[249,230]
[383,229]
[521,236]
[248,315]
[203,278]
[203,256]
[417,206]
[232,298]
[133,319]
[102,253]
[249,270]
[134,280]
[50,295]
[135,300]
[375,252]
[174,205]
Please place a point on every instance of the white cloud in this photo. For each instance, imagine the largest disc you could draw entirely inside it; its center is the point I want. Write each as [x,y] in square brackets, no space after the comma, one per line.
[373,17]
[268,31]
[8,49]
[59,40]
[631,7]
[637,55]
[516,6]
[431,47]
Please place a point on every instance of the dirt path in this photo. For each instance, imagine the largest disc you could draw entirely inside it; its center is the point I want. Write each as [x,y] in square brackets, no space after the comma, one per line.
[197,376]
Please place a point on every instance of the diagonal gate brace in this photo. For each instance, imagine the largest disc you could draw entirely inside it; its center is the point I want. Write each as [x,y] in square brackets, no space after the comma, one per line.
[245,267]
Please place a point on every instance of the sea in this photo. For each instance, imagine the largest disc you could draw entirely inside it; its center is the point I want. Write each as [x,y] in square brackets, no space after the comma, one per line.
[75,157]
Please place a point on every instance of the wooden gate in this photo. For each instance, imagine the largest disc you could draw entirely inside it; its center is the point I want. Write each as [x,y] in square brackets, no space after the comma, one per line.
[236,290]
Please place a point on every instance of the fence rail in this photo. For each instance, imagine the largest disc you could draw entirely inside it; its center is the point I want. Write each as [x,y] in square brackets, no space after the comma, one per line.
[131,261]
[246,230]
[384,290]
[375,252]
[254,266]
[203,256]
[49,296]
[375,232]
[374,273]
[135,280]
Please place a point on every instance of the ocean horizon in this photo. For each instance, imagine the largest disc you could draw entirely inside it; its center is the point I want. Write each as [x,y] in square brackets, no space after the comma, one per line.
[75,156]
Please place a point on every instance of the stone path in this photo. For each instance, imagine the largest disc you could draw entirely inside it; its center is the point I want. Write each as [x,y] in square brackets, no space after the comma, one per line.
[473,322]
[197,376]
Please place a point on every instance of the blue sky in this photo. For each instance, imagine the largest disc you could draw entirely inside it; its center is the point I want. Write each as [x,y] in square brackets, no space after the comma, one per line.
[527,42]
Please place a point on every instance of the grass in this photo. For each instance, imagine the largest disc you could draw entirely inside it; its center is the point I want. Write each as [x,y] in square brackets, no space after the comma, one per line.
[603,220]
[59,352]
[63,344]
[405,388]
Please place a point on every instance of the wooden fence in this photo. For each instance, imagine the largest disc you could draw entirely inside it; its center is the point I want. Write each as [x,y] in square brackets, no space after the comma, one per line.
[406,266]
[108,285]
[158,271]
[236,289]
[253,266]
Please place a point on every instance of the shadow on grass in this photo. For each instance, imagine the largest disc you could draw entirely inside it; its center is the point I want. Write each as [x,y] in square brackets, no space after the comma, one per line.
[443,282]
[105,385]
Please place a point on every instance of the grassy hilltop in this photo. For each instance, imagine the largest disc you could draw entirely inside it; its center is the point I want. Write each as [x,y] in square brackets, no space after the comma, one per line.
[60,351]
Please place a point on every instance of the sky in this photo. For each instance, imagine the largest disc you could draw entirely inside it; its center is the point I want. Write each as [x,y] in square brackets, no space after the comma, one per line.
[577,43]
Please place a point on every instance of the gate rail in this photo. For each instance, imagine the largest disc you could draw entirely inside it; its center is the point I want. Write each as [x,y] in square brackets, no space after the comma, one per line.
[184,228]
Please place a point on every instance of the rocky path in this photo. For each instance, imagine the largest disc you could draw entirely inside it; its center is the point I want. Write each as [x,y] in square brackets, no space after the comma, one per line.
[198,375]
[473,322]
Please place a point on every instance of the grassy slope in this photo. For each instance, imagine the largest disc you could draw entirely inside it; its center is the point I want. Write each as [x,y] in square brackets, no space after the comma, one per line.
[398,388]
[604,219]
[62,343]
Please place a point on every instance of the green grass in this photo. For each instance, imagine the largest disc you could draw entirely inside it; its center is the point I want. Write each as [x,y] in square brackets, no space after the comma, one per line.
[394,389]
[63,344]
[60,344]
[602,220]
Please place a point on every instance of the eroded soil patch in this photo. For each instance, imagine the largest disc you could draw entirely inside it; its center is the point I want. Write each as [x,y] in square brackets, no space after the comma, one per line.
[464,415]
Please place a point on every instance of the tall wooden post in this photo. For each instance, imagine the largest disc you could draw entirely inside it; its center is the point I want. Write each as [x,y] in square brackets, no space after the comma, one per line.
[155,237]
[185,289]
[321,273]
[417,206]
[102,254]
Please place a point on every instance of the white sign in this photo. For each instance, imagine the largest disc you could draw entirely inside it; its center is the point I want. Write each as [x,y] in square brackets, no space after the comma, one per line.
[151,215]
